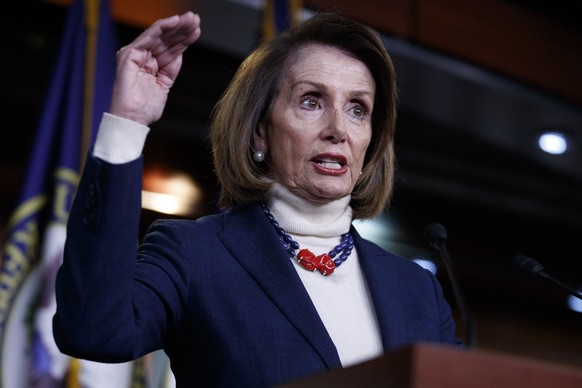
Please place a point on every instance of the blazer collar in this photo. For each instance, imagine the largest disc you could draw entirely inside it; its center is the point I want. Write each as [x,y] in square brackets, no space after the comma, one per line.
[378,269]
[247,230]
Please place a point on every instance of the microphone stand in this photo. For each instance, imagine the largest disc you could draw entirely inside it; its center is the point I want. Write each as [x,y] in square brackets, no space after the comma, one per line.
[436,236]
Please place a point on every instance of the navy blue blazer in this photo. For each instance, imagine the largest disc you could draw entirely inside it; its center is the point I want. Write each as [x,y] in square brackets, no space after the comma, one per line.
[218,294]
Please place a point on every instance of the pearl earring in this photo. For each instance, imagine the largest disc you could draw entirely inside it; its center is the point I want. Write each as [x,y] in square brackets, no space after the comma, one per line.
[259,156]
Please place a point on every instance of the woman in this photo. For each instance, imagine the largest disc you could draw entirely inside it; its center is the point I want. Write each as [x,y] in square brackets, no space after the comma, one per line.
[302,143]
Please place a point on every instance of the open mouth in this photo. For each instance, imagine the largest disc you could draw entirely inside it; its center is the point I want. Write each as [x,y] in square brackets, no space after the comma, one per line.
[330,164]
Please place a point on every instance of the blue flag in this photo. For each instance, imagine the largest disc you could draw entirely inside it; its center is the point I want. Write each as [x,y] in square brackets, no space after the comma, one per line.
[78,94]
[279,16]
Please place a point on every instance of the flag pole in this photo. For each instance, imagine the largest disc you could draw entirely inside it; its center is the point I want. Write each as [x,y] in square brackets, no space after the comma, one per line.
[92,26]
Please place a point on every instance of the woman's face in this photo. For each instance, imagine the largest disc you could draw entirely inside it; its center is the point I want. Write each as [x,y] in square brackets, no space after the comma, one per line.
[319,126]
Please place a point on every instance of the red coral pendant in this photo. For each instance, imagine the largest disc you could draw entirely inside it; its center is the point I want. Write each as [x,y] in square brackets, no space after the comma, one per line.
[323,263]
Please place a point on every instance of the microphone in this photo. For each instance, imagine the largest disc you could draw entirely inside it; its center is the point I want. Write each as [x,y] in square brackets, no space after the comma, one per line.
[532,269]
[436,236]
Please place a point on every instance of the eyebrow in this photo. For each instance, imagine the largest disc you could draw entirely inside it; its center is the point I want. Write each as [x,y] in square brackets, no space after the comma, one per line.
[357,93]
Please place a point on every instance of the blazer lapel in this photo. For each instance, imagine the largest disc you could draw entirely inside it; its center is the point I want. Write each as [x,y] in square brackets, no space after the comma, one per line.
[383,287]
[248,230]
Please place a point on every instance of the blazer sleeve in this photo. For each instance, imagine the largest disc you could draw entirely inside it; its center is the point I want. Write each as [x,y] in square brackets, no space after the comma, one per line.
[104,311]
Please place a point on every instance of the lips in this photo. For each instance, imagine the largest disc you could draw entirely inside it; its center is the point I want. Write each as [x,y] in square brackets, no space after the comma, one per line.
[330,164]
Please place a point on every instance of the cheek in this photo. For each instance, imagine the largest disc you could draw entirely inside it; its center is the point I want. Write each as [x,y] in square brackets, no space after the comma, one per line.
[362,147]
[289,144]
[285,155]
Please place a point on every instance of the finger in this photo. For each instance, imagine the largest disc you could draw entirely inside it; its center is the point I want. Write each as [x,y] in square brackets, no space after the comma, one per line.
[174,41]
[178,30]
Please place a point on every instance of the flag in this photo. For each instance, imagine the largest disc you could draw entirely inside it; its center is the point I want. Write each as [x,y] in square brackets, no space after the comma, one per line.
[32,251]
[279,16]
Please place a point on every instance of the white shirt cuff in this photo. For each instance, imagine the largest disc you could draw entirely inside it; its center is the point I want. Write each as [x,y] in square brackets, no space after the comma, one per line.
[119,140]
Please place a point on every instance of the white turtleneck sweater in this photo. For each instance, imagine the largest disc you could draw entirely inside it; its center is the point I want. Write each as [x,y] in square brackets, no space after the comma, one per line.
[341,299]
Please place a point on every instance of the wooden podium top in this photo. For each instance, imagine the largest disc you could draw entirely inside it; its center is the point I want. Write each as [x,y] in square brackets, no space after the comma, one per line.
[437,366]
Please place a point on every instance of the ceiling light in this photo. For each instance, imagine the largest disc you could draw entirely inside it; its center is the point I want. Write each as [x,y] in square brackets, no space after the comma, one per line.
[164,203]
[575,304]
[553,143]
[426,264]
[170,193]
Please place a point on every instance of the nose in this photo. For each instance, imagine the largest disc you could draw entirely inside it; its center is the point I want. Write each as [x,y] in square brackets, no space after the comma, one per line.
[336,127]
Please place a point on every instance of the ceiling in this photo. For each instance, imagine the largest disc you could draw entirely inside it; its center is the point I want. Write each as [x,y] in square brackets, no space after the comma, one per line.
[477,84]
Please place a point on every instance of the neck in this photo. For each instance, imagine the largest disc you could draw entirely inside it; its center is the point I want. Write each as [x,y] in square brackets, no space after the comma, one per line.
[301,217]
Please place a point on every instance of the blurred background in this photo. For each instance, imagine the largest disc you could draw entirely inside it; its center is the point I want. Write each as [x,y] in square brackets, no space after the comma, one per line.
[480,81]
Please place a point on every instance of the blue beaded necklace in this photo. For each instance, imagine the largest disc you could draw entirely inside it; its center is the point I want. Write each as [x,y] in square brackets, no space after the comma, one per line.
[325,263]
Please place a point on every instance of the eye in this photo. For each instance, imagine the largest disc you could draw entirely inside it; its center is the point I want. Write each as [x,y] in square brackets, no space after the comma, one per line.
[359,111]
[310,102]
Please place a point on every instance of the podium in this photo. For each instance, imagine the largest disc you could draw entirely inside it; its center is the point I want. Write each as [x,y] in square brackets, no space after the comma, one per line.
[438,366]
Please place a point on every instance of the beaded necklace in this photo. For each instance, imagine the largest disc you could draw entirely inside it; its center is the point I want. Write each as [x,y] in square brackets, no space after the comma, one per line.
[324,263]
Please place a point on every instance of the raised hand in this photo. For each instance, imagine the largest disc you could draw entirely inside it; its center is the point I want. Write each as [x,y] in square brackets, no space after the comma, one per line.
[148,67]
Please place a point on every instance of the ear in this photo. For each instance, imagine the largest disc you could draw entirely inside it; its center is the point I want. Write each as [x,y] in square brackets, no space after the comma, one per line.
[260,138]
